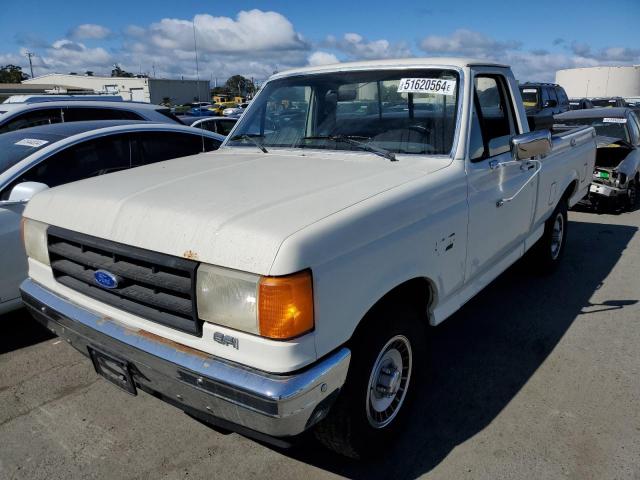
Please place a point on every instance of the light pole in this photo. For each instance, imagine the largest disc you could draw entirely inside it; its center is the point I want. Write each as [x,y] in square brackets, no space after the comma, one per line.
[29,55]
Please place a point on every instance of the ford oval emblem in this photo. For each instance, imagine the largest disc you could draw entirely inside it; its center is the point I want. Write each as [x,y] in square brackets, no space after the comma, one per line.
[105,279]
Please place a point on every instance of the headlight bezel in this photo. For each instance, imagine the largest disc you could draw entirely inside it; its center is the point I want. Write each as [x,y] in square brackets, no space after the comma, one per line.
[276,308]
[34,240]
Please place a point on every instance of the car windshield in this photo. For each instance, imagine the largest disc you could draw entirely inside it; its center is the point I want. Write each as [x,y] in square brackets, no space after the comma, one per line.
[395,111]
[529,97]
[16,146]
[605,127]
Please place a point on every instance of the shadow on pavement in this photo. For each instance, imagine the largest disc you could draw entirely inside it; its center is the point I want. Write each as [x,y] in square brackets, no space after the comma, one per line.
[483,355]
[20,330]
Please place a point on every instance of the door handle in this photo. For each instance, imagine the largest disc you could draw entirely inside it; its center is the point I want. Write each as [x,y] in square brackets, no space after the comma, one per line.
[502,201]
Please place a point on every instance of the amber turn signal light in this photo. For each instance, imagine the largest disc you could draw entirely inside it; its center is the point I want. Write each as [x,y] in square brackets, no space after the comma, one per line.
[285,305]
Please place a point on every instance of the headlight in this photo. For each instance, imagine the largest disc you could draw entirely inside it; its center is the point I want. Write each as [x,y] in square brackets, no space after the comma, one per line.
[273,307]
[34,236]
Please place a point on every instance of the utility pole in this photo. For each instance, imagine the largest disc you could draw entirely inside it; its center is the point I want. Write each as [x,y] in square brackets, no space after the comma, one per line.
[29,55]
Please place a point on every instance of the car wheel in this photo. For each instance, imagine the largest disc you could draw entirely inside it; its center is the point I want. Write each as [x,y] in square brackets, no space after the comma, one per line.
[632,196]
[386,359]
[549,250]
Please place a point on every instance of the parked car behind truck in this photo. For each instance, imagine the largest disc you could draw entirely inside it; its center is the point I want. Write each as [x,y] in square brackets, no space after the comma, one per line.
[286,284]
[542,101]
[37,158]
[14,116]
[616,177]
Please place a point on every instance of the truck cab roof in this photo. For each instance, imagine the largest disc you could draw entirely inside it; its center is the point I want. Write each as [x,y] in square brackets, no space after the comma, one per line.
[392,63]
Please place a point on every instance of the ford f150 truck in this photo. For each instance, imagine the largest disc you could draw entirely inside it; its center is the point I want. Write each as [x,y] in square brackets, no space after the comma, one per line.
[286,282]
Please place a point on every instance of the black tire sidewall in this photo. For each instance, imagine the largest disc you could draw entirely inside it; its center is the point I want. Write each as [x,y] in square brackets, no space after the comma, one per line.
[543,260]
[366,345]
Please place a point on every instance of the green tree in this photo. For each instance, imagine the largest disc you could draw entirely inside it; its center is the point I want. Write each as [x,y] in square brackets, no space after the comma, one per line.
[239,85]
[12,74]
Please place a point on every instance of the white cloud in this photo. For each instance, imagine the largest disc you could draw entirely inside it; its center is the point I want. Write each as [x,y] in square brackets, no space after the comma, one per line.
[468,43]
[252,30]
[607,54]
[65,55]
[357,47]
[89,31]
[322,58]
[532,65]
[256,43]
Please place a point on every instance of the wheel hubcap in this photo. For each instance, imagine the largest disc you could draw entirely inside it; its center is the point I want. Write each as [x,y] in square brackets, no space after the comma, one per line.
[389,381]
[556,236]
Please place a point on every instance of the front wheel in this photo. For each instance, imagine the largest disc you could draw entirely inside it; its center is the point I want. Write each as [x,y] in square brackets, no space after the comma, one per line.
[632,196]
[385,361]
[548,252]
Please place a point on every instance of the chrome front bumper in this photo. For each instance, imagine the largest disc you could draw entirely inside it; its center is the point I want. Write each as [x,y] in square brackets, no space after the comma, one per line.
[200,384]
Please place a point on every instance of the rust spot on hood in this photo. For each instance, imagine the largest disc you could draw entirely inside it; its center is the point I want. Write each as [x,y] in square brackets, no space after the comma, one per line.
[175,345]
[190,254]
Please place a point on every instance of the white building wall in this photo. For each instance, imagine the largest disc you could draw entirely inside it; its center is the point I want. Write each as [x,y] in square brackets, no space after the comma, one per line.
[150,90]
[600,81]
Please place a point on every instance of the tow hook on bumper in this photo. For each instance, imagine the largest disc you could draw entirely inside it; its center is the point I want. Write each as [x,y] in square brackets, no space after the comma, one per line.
[273,405]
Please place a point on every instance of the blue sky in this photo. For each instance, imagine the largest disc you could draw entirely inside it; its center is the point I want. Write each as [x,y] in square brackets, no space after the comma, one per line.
[257,37]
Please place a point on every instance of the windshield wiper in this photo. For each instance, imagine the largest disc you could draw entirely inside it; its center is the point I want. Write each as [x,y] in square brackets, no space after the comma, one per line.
[351,140]
[250,138]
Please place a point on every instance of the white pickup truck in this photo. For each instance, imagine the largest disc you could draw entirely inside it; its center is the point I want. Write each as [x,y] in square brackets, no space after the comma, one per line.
[287,281]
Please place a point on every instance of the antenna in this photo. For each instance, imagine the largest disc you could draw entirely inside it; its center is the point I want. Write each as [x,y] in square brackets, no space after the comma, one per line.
[195,51]
[29,55]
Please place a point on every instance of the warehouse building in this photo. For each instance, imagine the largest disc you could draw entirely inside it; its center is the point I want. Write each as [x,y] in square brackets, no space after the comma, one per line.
[137,89]
[593,82]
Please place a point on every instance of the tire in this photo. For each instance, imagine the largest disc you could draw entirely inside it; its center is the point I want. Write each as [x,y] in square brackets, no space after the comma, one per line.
[549,250]
[364,421]
[632,196]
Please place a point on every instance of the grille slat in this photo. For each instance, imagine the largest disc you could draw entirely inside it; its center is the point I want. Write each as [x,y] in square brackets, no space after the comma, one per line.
[137,293]
[123,268]
[155,286]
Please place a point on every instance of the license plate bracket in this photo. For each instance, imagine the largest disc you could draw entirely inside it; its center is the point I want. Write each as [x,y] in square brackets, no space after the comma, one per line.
[113,370]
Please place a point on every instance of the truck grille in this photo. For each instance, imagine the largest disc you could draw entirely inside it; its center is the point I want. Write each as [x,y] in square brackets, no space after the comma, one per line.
[154,286]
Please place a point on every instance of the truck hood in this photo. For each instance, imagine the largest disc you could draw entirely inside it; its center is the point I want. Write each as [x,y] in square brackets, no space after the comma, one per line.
[232,209]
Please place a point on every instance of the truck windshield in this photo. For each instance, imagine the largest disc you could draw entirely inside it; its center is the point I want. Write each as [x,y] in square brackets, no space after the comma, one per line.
[529,97]
[395,111]
[605,127]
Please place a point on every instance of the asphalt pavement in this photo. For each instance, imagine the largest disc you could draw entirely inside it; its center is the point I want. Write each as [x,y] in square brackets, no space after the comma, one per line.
[536,377]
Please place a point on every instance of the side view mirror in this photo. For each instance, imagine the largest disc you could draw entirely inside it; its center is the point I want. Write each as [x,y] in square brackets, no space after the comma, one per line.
[531,144]
[550,104]
[23,192]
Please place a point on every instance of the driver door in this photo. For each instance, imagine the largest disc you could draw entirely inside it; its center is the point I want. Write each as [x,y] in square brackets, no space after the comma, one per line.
[496,230]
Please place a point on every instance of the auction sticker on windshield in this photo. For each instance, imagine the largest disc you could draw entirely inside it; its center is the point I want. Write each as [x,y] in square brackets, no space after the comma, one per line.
[614,120]
[32,142]
[427,85]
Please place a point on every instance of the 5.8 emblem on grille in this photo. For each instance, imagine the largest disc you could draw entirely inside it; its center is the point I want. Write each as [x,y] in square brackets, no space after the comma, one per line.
[106,279]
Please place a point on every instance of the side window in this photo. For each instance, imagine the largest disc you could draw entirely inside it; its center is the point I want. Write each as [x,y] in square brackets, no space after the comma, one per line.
[562,97]
[78,114]
[635,128]
[552,95]
[167,113]
[33,118]
[545,95]
[160,146]
[87,159]
[208,126]
[495,118]
[225,126]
